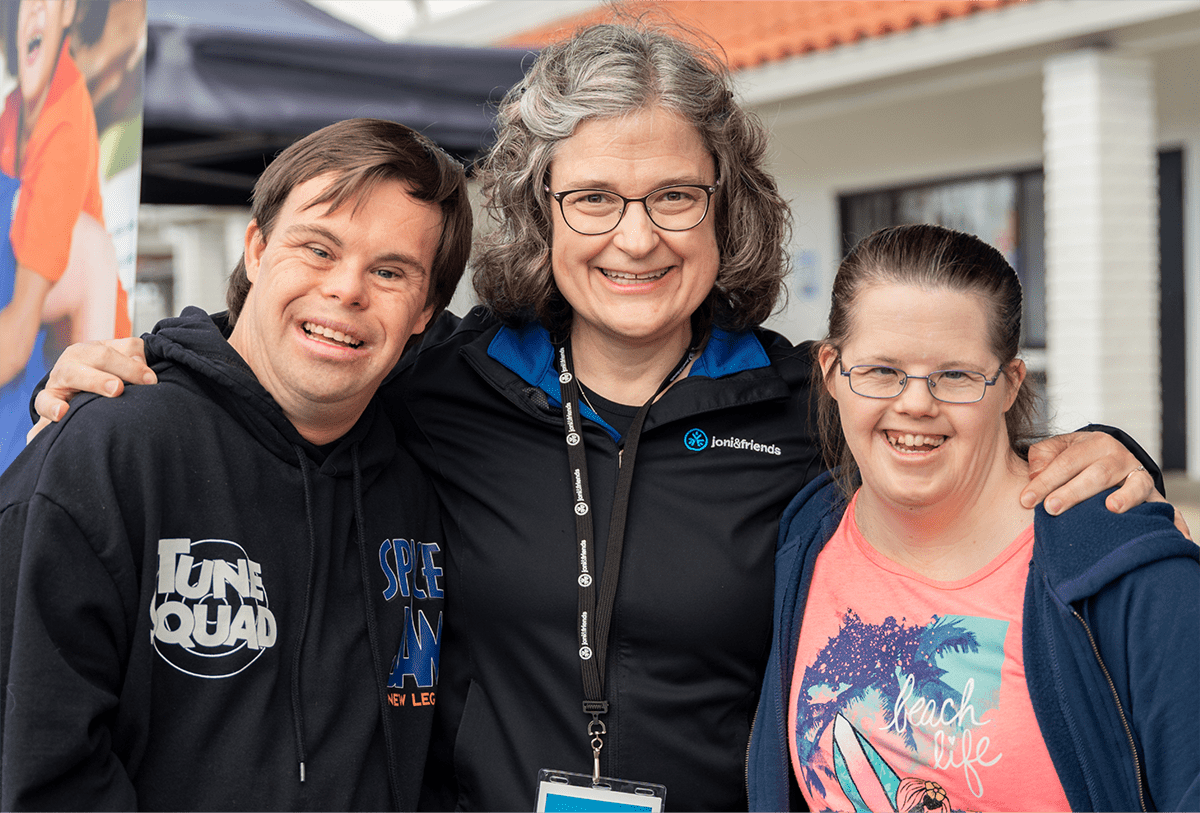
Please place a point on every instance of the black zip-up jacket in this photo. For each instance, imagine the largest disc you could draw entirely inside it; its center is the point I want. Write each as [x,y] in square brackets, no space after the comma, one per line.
[720,456]
[195,602]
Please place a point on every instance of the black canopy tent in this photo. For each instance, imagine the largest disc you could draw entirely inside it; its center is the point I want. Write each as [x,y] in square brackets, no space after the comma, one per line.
[229,83]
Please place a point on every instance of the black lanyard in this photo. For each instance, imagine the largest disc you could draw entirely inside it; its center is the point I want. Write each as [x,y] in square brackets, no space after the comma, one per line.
[595,613]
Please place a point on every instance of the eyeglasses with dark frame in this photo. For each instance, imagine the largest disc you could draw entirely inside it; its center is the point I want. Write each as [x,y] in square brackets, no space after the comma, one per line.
[947,386]
[679,207]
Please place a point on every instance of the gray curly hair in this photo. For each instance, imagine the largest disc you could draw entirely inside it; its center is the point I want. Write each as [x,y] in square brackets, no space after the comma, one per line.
[611,70]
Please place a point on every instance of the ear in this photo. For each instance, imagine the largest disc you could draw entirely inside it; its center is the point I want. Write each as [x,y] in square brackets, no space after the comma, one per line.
[69,10]
[423,321]
[1014,374]
[252,250]
[827,356]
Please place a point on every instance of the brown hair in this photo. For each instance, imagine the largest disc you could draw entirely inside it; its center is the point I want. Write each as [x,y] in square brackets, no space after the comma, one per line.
[930,257]
[605,71]
[363,153]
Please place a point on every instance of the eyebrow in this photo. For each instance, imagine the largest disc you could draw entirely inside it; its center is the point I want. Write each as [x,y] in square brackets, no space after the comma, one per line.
[607,186]
[399,258]
[888,361]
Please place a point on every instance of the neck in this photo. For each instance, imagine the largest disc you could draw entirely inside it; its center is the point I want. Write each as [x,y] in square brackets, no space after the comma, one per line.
[626,372]
[320,427]
[947,541]
[316,422]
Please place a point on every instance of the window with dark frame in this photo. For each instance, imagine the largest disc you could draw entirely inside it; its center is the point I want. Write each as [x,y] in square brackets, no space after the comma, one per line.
[1004,209]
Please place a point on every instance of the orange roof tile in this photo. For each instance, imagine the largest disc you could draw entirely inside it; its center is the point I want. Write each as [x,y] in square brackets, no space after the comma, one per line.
[755,32]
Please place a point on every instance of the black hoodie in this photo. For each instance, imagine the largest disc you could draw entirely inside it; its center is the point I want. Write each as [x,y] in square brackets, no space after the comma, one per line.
[317,572]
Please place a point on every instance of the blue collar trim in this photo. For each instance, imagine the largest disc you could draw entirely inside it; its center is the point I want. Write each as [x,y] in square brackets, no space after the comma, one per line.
[528,352]
[727,353]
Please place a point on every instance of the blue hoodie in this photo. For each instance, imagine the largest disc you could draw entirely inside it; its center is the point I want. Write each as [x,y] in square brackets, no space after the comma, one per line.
[1111,646]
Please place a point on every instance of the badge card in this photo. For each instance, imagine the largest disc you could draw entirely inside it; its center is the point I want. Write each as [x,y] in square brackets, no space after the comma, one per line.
[566,791]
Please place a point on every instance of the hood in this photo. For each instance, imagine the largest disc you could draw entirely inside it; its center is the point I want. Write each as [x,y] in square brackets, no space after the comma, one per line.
[1086,548]
[194,341]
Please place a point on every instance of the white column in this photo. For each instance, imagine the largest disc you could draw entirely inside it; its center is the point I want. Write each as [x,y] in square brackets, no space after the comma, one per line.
[1191,303]
[1102,278]
[205,244]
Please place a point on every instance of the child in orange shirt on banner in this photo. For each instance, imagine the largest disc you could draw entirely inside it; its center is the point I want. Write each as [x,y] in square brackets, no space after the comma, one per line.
[62,265]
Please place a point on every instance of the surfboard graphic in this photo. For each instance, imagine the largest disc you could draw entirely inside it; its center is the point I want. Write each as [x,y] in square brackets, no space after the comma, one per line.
[868,782]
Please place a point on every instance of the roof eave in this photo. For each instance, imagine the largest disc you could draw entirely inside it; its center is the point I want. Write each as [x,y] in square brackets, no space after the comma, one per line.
[1011,29]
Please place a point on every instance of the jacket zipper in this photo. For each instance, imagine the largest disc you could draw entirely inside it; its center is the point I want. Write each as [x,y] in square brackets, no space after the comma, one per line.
[1137,764]
[753,723]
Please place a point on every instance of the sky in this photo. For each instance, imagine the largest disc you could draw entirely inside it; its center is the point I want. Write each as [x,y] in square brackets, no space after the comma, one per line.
[389,19]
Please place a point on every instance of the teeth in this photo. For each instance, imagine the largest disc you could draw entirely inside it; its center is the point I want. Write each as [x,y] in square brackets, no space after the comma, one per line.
[620,276]
[330,333]
[911,441]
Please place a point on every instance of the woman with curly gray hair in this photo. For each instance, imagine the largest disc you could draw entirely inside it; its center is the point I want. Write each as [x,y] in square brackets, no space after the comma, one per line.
[606,74]
[613,439]
[638,241]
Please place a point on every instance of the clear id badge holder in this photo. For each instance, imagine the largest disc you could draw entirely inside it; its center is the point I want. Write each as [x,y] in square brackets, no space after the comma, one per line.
[566,791]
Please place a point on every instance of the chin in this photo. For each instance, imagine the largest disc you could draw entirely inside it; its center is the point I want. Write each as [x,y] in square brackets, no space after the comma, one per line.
[908,495]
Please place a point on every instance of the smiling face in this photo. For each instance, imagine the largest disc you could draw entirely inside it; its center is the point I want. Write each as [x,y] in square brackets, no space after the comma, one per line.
[914,451]
[41,26]
[637,285]
[334,297]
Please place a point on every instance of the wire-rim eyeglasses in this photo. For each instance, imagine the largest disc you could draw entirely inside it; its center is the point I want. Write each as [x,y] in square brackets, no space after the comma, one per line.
[883,382]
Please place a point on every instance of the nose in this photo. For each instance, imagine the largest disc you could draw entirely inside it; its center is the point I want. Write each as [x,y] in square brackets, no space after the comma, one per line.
[346,282]
[916,399]
[635,234]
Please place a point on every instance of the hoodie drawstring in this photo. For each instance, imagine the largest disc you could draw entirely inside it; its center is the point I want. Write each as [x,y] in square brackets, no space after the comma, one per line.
[297,709]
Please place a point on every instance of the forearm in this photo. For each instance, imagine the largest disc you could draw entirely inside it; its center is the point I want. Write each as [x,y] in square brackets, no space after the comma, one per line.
[87,291]
[103,368]
[20,321]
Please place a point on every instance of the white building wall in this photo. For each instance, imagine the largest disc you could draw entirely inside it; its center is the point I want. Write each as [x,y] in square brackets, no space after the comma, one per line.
[1178,105]
[1102,243]
[1191,282]
[979,125]
[203,242]
[935,129]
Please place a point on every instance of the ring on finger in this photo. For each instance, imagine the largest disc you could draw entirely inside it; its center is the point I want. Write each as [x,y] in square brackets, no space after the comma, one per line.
[1135,471]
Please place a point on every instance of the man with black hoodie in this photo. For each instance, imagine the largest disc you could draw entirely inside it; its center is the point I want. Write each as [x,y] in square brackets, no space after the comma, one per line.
[225,592]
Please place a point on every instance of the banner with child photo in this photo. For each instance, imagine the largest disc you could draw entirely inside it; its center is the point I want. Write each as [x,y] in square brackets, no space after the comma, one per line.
[70,165]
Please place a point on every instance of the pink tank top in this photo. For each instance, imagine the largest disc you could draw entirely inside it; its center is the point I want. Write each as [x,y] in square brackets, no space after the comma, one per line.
[910,693]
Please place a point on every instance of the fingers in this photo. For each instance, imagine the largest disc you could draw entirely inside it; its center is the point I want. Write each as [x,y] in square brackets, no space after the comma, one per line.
[1040,454]
[48,408]
[1137,489]
[1181,524]
[1072,468]
[99,367]
[37,427]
